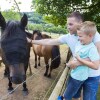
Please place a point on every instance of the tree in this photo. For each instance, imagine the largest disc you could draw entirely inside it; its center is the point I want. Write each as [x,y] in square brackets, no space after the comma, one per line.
[11,15]
[14,12]
[57,10]
[34,17]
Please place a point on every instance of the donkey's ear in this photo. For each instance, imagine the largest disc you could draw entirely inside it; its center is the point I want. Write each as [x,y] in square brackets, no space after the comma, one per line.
[24,20]
[2,21]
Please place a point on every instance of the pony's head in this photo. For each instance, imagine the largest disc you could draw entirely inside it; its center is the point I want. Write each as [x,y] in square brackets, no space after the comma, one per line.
[45,36]
[37,35]
[14,47]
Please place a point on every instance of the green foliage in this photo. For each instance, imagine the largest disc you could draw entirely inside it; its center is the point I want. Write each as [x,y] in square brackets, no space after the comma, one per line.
[37,22]
[55,29]
[57,10]
[34,17]
[48,28]
[11,15]
[35,27]
[54,19]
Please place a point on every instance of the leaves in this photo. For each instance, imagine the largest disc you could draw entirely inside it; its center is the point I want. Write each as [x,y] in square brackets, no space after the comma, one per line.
[11,15]
[57,10]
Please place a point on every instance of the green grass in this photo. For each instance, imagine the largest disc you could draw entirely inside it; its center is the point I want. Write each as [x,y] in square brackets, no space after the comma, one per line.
[98,95]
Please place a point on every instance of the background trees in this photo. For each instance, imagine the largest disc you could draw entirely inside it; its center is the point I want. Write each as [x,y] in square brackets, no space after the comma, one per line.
[11,15]
[55,11]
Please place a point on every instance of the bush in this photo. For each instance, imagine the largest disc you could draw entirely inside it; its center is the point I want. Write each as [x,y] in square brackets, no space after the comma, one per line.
[35,27]
[58,30]
[48,28]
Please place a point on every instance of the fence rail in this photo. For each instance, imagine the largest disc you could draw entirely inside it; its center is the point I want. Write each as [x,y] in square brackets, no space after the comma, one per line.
[60,84]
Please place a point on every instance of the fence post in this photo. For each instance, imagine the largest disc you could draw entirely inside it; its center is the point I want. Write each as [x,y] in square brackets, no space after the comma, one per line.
[57,90]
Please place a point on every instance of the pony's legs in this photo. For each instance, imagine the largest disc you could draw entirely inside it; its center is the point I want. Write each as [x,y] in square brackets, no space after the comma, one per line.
[10,88]
[35,61]
[49,74]
[24,86]
[25,90]
[47,67]
[46,71]
[38,60]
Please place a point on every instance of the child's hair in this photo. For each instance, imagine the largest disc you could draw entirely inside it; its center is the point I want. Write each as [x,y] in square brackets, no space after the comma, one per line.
[88,27]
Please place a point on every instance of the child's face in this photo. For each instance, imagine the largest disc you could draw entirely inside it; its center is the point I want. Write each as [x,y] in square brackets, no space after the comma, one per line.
[84,38]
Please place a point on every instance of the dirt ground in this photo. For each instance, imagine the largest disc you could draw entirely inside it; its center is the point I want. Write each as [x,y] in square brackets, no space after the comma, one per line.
[39,86]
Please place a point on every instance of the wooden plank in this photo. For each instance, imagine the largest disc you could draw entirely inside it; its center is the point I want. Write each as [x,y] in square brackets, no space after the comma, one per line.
[57,90]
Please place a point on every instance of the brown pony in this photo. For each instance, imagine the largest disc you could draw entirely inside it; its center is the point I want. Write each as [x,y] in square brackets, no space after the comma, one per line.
[47,52]
[44,36]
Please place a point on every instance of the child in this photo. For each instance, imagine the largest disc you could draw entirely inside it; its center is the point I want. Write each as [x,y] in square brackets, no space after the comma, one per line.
[85,48]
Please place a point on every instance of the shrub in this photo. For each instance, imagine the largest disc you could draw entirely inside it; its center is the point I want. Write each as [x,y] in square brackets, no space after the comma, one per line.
[35,27]
[48,28]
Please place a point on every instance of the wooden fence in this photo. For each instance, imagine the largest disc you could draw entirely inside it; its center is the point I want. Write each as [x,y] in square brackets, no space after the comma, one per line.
[60,86]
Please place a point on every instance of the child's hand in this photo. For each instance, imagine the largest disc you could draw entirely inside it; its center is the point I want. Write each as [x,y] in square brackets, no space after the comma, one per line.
[68,64]
[77,57]
[72,64]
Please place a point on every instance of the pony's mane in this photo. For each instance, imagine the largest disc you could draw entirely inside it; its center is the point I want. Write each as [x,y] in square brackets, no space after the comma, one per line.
[39,35]
[14,38]
[45,36]
[13,27]
[29,35]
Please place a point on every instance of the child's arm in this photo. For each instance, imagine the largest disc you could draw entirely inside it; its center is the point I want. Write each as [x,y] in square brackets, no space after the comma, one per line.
[74,63]
[91,64]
